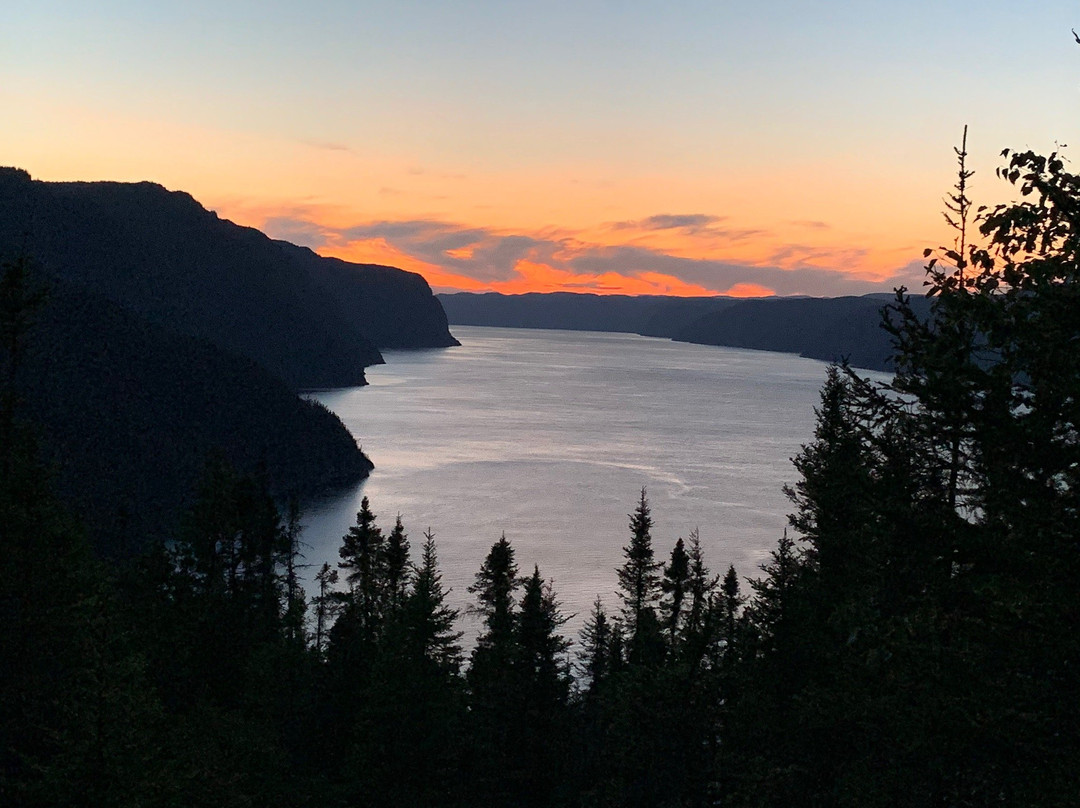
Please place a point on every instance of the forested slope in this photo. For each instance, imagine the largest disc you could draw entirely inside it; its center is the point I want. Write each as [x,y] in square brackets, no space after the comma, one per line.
[129,413]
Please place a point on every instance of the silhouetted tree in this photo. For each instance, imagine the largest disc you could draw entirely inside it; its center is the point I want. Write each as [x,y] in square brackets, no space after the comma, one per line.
[397,566]
[699,629]
[675,585]
[544,677]
[363,560]
[639,585]
[327,605]
[595,659]
[495,682]
[429,622]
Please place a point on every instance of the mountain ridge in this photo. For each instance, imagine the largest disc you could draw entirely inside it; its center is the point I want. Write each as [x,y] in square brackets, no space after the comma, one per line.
[167,258]
[828,329]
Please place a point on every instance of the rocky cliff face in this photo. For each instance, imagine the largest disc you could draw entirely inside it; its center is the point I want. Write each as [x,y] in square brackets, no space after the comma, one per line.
[314,322]
[396,309]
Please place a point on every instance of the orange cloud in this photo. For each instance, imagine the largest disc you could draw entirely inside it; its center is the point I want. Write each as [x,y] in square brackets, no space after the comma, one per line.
[664,254]
[538,277]
[379,251]
[749,290]
[463,253]
[531,276]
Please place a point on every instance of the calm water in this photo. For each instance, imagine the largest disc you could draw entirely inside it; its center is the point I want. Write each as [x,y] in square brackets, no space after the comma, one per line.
[550,435]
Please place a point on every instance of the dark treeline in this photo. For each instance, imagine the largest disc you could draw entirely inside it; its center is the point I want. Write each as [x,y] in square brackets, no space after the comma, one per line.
[913,642]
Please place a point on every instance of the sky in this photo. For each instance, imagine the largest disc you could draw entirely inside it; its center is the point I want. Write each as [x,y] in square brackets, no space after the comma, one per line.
[676,147]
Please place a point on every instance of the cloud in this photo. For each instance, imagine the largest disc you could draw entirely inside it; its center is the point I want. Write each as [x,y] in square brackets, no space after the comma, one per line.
[812,224]
[671,221]
[749,290]
[722,275]
[420,171]
[304,232]
[454,257]
[326,146]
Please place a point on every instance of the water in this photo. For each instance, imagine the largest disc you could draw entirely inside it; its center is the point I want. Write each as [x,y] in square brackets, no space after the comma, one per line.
[549,437]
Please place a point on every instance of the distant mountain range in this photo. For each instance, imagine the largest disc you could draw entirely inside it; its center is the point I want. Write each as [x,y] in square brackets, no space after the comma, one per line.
[169,334]
[829,329]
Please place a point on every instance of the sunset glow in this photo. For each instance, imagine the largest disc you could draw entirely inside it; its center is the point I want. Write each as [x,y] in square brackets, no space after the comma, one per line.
[689,150]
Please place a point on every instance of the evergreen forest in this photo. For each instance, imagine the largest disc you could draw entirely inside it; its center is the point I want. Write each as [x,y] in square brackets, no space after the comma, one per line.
[913,639]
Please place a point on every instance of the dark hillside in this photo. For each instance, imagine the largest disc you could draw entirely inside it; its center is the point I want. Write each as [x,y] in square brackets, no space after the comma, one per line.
[167,258]
[128,414]
[571,311]
[670,315]
[829,329]
[396,309]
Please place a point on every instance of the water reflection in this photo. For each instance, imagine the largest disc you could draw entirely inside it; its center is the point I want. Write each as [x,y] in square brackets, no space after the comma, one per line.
[549,436]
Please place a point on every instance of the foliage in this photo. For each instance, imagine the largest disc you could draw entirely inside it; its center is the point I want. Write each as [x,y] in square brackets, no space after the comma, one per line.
[918,643]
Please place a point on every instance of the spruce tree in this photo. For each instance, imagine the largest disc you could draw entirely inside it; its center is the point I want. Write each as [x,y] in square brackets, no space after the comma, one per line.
[327,605]
[363,560]
[639,584]
[407,737]
[594,662]
[699,629]
[494,588]
[542,649]
[397,566]
[295,599]
[728,603]
[429,622]
[496,680]
[675,585]
[543,678]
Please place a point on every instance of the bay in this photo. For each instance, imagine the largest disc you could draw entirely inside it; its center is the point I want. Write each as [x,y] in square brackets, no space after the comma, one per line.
[549,436]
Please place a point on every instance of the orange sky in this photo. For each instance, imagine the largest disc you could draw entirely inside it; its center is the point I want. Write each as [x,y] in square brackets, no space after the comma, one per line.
[771,148]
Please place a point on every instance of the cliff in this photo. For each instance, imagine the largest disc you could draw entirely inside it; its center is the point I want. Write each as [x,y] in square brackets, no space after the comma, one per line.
[312,321]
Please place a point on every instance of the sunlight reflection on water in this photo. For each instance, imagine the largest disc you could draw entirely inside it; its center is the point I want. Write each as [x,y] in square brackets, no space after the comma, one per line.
[549,436]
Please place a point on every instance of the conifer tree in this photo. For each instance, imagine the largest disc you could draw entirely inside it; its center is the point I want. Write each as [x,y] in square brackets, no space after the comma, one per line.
[295,600]
[773,594]
[728,603]
[675,585]
[407,742]
[595,662]
[495,680]
[543,678]
[363,560]
[494,588]
[542,649]
[397,566]
[326,603]
[639,584]
[698,629]
[429,621]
